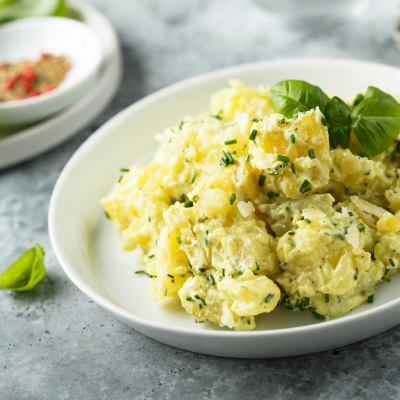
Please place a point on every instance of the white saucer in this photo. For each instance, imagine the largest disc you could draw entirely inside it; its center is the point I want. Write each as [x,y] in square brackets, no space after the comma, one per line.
[47,134]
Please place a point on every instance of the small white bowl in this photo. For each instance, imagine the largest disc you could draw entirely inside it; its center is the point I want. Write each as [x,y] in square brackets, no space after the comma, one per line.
[26,39]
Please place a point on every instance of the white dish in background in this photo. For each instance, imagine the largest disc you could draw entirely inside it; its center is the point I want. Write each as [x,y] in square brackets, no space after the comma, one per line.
[27,39]
[87,246]
[47,134]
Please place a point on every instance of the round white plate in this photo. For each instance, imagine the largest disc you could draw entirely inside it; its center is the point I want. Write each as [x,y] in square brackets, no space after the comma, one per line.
[47,134]
[88,247]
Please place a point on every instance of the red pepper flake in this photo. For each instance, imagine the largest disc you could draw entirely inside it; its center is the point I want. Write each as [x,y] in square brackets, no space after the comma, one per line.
[30,79]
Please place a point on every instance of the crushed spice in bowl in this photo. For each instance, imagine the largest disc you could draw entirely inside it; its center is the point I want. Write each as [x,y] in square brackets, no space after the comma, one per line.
[26,79]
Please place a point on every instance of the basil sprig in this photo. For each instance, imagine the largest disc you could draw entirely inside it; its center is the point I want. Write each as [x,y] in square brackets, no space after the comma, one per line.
[337,115]
[26,272]
[291,97]
[375,120]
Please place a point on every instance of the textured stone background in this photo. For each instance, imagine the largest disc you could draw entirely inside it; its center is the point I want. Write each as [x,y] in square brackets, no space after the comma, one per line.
[57,344]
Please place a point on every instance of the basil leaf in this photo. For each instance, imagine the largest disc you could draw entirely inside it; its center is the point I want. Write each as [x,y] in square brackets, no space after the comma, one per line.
[337,114]
[376,121]
[26,272]
[291,97]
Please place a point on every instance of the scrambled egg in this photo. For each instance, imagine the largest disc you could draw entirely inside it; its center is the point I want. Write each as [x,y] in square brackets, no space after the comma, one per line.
[242,209]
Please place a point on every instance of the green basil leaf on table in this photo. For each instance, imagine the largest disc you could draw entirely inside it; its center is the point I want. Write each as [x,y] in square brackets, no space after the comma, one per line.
[291,97]
[376,121]
[26,272]
[337,114]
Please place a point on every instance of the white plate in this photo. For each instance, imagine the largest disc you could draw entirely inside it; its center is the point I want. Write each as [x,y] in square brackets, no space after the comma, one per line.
[88,247]
[47,134]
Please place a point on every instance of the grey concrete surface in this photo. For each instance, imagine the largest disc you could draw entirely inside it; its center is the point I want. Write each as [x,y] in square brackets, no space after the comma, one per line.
[57,344]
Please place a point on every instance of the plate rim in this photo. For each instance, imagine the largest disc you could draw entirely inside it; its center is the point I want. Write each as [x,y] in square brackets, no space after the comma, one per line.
[161,326]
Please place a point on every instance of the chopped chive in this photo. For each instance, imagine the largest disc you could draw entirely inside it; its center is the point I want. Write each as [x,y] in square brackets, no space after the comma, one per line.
[351,214]
[228,142]
[190,265]
[223,272]
[120,179]
[195,198]
[326,298]
[171,276]
[257,266]
[255,120]
[306,302]
[291,233]
[293,167]
[149,219]
[282,120]
[231,159]
[288,209]
[302,218]
[152,256]
[232,198]
[248,322]
[323,120]
[124,169]
[393,156]
[274,173]
[340,237]
[188,298]
[237,274]
[248,157]
[179,240]
[311,153]
[223,162]
[346,229]
[271,195]
[233,152]
[107,214]
[253,134]
[193,177]
[292,139]
[283,165]
[261,180]
[391,262]
[331,214]
[211,279]
[200,306]
[269,298]
[142,272]
[370,299]
[305,187]
[385,277]
[196,296]
[361,227]
[283,158]
[188,204]
[182,198]
[307,221]
[282,264]
[368,172]
[318,316]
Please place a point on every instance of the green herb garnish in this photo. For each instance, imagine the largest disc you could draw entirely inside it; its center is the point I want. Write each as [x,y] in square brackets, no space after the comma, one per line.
[253,134]
[285,159]
[311,153]
[228,142]
[124,170]
[269,298]
[237,274]
[305,187]
[192,177]
[211,279]
[282,264]
[292,139]
[179,240]
[261,180]
[361,227]
[271,195]
[326,298]
[232,198]
[25,273]
[391,262]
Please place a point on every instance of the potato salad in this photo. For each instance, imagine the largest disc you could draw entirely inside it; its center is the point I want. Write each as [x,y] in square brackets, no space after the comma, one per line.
[277,196]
